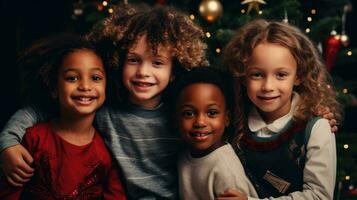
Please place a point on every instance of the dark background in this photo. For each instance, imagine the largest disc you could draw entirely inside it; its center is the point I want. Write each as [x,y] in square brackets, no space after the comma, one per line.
[24,21]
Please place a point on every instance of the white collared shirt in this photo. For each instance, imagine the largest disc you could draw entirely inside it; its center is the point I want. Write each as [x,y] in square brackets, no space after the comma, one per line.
[257,125]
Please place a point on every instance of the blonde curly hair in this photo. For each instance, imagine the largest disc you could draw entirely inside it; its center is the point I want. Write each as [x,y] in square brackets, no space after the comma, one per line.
[316,89]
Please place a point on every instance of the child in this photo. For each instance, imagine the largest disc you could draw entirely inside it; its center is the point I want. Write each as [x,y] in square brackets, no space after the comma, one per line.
[145,49]
[287,151]
[69,156]
[210,165]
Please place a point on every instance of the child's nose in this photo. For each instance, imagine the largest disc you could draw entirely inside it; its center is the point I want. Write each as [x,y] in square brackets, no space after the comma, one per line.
[268,84]
[200,121]
[85,85]
[143,70]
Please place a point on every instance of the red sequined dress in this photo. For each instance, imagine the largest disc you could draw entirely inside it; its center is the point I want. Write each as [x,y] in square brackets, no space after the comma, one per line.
[66,171]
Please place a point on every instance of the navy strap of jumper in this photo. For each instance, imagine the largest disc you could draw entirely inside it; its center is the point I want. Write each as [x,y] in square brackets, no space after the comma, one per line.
[275,165]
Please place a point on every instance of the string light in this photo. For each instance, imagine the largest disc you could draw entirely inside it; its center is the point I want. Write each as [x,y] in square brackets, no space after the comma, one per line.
[345,146]
[218,50]
[345,91]
[242,11]
[104,3]
[307,30]
[349,53]
[260,12]
[313,11]
[344,38]
[309,19]
[192,17]
[110,10]
[208,34]
[347,178]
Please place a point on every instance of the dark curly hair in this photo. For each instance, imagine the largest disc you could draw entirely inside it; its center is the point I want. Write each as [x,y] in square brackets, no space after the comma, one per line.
[162,25]
[39,65]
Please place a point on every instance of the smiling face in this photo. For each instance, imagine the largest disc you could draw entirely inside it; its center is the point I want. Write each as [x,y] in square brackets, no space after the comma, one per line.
[145,75]
[202,117]
[81,83]
[270,78]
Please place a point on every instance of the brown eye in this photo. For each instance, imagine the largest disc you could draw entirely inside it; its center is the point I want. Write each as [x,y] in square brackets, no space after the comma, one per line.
[256,75]
[132,60]
[72,78]
[157,63]
[96,78]
[212,113]
[281,75]
[188,114]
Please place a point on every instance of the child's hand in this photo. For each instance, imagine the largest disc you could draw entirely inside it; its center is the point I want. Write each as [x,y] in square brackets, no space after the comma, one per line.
[327,114]
[15,163]
[232,194]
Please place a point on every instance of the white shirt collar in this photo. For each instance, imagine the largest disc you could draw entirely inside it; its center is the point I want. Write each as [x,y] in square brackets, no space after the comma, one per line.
[257,125]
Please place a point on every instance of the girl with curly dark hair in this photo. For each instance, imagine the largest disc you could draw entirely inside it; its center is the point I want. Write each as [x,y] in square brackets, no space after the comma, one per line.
[64,75]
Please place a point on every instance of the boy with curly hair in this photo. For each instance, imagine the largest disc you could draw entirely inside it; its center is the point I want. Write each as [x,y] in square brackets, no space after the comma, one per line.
[144,49]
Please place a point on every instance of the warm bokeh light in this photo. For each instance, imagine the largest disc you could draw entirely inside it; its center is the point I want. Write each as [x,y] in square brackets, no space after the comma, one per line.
[208,34]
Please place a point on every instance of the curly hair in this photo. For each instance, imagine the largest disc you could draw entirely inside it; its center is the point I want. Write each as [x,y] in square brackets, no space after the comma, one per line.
[40,63]
[162,26]
[316,90]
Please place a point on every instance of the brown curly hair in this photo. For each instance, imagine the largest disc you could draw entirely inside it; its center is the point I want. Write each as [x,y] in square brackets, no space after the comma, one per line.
[162,25]
[315,90]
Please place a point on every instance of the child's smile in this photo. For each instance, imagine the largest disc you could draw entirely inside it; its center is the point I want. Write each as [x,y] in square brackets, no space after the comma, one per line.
[271,76]
[202,117]
[84,100]
[145,75]
[81,83]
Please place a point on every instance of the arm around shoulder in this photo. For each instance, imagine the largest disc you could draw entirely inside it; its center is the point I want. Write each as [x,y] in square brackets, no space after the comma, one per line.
[15,128]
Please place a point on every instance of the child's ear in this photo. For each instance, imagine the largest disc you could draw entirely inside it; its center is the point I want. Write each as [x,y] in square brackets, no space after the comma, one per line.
[297,81]
[227,119]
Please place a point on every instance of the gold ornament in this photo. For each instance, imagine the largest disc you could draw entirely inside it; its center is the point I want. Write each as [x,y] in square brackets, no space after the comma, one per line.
[211,10]
[253,4]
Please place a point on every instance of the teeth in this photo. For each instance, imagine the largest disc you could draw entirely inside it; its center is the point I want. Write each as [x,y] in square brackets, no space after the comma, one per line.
[84,99]
[200,134]
[143,84]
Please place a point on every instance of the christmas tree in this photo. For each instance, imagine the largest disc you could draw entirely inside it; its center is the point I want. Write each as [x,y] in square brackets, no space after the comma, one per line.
[326,22]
